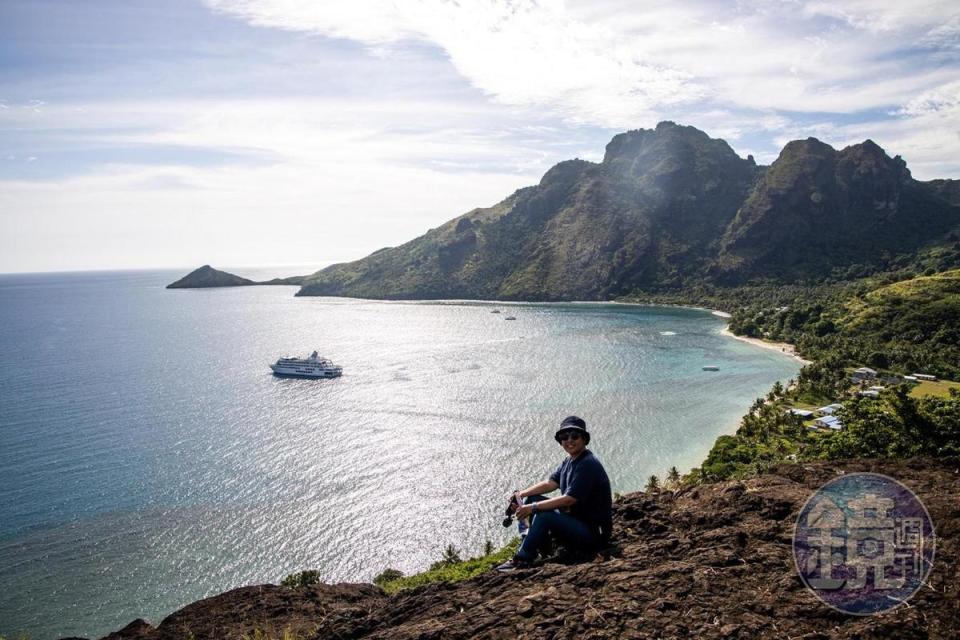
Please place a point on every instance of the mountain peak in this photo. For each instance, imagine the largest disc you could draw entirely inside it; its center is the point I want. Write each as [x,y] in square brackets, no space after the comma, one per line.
[866,148]
[808,147]
[565,171]
[667,134]
[869,158]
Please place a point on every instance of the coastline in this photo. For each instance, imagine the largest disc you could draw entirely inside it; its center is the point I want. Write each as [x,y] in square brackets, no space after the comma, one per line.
[784,347]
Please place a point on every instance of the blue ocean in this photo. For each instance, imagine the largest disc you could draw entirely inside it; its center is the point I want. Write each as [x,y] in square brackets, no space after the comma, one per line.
[149,458]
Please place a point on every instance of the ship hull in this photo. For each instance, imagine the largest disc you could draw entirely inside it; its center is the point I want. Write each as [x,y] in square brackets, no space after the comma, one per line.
[284,372]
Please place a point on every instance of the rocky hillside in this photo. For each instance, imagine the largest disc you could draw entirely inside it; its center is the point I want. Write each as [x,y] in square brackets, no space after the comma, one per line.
[712,561]
[816,209]
[666,209]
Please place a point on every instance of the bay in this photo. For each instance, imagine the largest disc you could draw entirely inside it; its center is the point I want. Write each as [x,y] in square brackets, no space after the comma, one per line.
[148,458]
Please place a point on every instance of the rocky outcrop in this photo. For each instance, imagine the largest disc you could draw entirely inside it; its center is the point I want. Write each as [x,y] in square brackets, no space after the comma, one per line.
[713,561]
[207,276]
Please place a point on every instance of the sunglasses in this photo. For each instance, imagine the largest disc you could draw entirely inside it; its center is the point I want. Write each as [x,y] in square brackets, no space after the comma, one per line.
[568,435]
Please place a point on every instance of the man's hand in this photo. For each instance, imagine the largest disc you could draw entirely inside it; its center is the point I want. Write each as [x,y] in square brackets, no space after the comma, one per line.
[524,512]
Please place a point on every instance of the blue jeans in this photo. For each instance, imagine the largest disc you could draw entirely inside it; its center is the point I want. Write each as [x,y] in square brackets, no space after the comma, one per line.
[565,529]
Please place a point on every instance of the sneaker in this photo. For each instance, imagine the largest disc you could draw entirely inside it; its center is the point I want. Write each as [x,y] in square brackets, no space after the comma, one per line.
[513,564]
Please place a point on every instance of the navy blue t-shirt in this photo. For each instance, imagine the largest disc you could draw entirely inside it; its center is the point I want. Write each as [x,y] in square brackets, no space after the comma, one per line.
[586,480]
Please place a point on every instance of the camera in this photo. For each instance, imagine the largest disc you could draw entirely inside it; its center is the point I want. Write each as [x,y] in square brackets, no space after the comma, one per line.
[511,509]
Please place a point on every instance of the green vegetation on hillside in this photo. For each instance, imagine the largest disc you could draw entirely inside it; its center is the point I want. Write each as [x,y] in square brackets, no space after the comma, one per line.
[301,579]
[895,425]
[450,568]
[911,325]
[897,328]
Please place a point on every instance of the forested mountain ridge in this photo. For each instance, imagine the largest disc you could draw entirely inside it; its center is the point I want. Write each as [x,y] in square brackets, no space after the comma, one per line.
[666,209]
[817,207]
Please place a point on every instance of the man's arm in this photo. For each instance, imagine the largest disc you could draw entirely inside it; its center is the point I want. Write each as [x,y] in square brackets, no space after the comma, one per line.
[544,505]
[541,487]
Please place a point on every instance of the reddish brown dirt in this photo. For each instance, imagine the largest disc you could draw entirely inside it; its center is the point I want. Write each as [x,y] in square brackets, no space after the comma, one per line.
[709,562]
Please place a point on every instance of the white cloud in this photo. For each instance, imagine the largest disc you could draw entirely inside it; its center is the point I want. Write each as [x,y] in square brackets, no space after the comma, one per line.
[334,181]
[618,63]
[318,130]
[883,16]
[944,98]
[519,53]
[736,70]
[125,217]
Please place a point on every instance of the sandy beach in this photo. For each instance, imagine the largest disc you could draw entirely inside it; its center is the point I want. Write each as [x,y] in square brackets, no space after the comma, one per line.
[785,347]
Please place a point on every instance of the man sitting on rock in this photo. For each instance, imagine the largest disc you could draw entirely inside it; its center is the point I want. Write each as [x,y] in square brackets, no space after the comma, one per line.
[580,518]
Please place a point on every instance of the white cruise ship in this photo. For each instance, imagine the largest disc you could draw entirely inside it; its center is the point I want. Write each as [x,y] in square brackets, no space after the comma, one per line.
[311,367]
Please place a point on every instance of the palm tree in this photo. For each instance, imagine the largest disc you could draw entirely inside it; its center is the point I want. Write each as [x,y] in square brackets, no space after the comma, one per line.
[673,477]
[451,555]
[653,484]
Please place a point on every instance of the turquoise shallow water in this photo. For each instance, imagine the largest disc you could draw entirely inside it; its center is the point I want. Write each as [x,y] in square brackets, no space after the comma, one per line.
[148,457]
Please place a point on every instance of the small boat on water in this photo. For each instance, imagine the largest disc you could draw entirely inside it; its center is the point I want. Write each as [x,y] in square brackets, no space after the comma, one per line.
[495,311]
[509,318]
[711,367]
[313,366]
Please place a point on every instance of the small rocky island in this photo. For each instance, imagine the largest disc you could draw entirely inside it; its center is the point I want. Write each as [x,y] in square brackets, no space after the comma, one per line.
[206,277]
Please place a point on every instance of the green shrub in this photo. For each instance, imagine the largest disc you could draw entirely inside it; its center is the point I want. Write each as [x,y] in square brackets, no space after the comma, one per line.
[450,556]
[302,579]
[387,575]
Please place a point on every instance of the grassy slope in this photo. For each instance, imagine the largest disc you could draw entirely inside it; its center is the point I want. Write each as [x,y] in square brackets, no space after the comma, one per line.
[919,301]
[937,389]
[914,322]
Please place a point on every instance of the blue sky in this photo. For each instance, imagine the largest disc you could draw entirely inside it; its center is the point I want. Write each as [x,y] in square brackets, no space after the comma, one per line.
[252,132]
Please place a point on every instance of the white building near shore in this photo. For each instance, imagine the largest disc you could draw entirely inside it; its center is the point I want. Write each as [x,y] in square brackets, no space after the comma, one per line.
[830,409]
